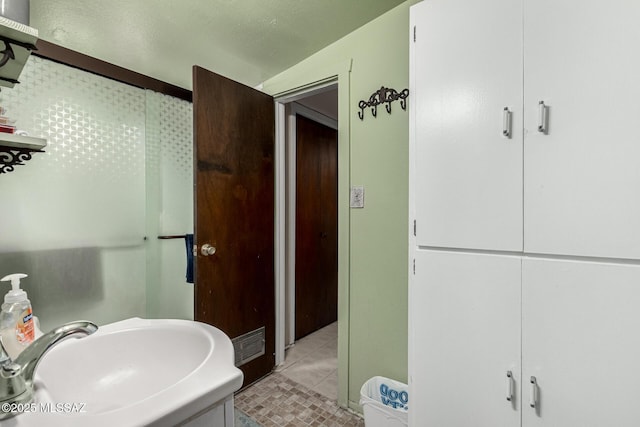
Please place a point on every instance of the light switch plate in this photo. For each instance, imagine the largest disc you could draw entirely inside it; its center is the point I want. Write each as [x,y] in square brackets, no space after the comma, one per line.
[357,197]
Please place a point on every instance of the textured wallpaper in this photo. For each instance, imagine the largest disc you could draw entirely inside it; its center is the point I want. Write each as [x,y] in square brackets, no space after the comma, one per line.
[88,187]
[117,169]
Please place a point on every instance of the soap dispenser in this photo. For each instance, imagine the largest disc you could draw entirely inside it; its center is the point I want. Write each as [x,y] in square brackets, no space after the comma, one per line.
[17,329]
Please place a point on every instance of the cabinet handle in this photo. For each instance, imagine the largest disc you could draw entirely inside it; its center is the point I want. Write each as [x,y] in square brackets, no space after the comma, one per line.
[509,386]
[506,122]
[533,393]
[543,118]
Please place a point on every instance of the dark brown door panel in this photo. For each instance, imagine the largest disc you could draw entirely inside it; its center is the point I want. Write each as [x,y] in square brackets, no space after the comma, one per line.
[234,129]
[316,226]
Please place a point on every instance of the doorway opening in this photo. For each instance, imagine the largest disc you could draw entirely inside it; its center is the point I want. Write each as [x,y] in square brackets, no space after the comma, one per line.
[309,331]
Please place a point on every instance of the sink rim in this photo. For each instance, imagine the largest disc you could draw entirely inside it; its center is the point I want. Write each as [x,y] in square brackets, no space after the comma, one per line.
[70,346]
[173,404]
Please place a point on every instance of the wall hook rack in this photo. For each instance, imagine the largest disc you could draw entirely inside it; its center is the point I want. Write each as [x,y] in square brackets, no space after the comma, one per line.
[383,96]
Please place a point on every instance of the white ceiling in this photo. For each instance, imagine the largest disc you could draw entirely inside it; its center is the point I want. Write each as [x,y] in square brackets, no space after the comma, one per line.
[247,40]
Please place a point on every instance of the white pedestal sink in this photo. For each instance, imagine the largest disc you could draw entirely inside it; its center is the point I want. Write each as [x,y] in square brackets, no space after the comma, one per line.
[136,372]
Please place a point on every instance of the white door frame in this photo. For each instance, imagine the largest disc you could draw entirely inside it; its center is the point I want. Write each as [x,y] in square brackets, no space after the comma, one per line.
[285,206]
[286,88]
[290,252]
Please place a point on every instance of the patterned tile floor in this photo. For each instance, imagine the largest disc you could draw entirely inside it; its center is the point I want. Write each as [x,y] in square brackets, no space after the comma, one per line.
[277,401]
[303,391]
[313,361]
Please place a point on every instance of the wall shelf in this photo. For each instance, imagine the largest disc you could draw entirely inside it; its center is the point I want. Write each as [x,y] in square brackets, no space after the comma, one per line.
[16,43]
[17,149]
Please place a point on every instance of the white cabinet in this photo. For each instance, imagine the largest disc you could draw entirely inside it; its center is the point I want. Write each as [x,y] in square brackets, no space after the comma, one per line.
[572,325]
[526,251]
[465,310]
[570,190]
[219,415]
[582,179]
[469,174]
[580,323]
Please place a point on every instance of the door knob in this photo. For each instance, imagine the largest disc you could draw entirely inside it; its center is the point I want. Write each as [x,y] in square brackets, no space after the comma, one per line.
[207,249]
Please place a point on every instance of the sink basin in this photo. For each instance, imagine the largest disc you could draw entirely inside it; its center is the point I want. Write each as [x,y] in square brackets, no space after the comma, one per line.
[132,373]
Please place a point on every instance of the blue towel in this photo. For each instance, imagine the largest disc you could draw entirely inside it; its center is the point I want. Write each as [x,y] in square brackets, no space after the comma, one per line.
[188,239]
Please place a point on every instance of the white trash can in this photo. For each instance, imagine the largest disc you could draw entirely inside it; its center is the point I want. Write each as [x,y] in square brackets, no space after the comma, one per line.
[385,403]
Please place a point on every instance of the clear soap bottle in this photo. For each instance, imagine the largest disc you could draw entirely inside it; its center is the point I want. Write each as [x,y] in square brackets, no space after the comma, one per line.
[17,329]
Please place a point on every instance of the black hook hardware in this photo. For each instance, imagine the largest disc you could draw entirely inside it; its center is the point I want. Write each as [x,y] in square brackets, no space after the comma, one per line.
[383,96]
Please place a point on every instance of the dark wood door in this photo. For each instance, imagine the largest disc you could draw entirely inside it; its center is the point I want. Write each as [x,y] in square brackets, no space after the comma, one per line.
[316,226]
[234,211]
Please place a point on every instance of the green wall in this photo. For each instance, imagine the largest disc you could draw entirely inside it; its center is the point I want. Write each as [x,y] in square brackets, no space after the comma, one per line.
[373,276]
[375,286]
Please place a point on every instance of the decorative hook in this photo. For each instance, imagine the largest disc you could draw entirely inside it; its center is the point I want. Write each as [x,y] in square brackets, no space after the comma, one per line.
[383,96]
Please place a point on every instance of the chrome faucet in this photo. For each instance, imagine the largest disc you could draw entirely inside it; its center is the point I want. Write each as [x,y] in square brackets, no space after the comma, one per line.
[16,377]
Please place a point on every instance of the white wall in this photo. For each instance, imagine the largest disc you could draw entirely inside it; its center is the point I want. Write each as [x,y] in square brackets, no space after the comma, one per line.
[374,153]
[75,217]
[169,205]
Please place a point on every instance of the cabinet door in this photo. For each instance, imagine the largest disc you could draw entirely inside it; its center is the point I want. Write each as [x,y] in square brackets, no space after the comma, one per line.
[582,178]
[464,336]
[580,340]
[466,67]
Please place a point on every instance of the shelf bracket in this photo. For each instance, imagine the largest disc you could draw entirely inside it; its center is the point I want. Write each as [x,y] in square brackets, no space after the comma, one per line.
[10,157]
[9,55]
